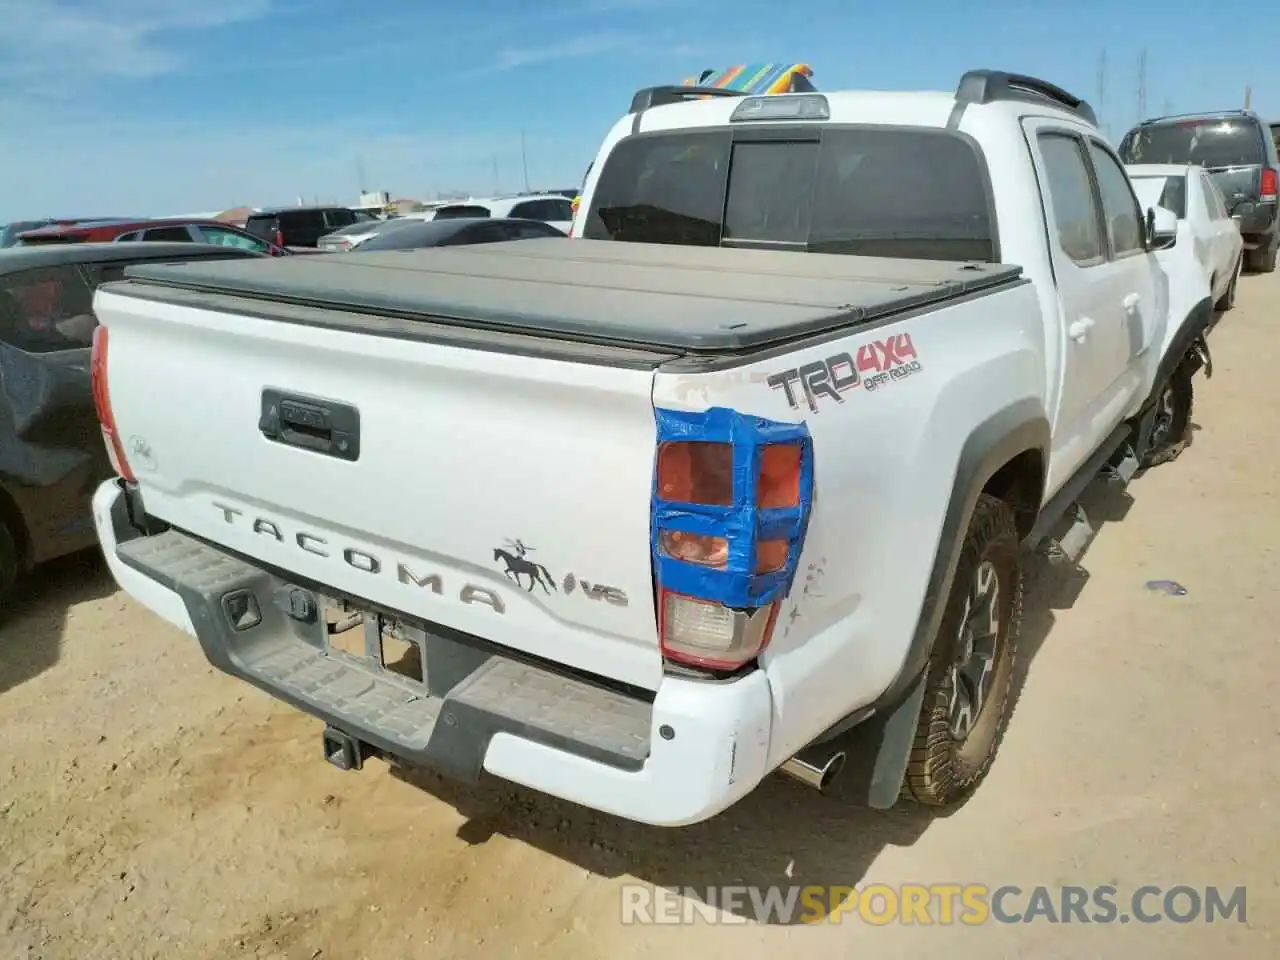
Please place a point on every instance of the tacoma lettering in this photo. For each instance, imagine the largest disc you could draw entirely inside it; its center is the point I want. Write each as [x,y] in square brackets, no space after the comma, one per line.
[366,562]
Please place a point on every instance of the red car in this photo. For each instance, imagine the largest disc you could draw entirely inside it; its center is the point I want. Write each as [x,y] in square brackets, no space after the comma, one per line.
[161,231]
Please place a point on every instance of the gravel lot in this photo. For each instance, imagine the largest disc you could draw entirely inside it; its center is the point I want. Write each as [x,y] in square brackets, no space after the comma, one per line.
[151,807]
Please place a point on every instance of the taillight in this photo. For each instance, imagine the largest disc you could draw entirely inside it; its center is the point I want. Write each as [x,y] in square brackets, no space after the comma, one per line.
[731,502]
[102,403]
[1270,184]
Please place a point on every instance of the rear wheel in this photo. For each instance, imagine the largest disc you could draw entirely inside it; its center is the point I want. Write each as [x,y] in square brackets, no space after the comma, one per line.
[970,674]
[1172,422]
[9,562]
[1263,259]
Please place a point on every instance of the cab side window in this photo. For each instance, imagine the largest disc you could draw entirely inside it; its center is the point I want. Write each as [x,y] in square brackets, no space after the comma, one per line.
[1075,211]
[47,309]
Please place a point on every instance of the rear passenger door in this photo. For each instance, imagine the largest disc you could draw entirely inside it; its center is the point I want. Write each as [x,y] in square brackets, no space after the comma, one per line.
[1142,288]
[1088,293]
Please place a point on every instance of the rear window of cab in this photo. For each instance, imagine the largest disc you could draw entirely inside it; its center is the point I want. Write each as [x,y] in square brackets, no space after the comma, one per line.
[870,191]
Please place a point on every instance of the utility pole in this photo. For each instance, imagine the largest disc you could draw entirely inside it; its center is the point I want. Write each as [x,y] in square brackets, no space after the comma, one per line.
[1102,90]
[524,160]
[497,187]
[1248,96]
[1142,85]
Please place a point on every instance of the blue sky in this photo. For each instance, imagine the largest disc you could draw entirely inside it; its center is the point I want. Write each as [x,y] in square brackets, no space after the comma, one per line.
[147,107]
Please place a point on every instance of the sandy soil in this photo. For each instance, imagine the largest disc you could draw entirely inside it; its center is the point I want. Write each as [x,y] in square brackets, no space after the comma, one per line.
[151,807]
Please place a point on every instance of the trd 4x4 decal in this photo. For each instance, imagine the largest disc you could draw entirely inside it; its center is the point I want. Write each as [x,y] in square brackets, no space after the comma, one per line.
[874,364]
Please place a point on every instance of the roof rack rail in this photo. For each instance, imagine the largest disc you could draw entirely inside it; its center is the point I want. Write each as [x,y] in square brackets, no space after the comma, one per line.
[989,86]
[661,96]
[1234,111]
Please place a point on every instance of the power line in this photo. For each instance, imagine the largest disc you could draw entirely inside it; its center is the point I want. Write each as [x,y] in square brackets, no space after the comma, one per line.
[1102,88]
[1142,85]
[524,160]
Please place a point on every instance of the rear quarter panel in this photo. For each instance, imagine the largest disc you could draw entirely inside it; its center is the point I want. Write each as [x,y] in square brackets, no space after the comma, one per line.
[885,460]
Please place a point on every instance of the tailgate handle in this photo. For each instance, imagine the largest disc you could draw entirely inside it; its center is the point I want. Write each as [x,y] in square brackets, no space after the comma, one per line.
[311,423]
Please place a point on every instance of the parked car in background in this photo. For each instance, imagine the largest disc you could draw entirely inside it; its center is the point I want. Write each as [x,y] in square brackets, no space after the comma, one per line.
[212,232]
[348,238]
[458,232]
[1208,237]
[10,232]
[51,452]
[552,209]
[1239,152]
[301,226]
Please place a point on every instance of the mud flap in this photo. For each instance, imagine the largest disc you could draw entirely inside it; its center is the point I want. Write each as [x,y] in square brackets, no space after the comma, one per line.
[877,753]
[1199,357]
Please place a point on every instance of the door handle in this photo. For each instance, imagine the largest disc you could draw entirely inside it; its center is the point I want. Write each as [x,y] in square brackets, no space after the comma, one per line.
[1079,330]
[311,423]
[1131,302]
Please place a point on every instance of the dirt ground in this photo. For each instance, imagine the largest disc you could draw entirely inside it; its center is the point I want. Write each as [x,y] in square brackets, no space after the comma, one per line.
[151,807]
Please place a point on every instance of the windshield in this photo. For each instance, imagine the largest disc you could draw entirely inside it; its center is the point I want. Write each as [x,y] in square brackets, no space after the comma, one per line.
[1167,192]
[1217,142]
[460,211]
[874,191]
[9,234]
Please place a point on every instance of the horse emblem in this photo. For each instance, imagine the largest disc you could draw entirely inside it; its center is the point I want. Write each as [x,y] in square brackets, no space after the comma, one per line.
[516,556]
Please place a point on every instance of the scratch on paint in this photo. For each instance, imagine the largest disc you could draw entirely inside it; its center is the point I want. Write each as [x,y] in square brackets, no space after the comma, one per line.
[700,387]
[813,574]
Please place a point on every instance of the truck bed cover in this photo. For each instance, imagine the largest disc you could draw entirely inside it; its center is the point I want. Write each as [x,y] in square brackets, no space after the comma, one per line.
[680,298]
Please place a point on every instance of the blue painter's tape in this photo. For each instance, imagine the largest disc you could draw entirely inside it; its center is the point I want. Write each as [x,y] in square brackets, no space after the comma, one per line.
[742,523]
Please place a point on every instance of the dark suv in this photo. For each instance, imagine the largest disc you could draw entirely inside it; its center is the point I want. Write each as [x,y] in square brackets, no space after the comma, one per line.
[52,456]
[300,226]
[1239,152]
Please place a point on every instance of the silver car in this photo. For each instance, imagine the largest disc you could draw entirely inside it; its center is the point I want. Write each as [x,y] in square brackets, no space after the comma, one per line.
[350,237]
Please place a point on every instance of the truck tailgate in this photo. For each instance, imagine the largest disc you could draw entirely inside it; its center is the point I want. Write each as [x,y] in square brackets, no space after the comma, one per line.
[504,496]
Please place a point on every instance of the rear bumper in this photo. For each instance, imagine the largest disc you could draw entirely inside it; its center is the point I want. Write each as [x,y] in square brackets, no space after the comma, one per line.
[1259,227]
[696,749]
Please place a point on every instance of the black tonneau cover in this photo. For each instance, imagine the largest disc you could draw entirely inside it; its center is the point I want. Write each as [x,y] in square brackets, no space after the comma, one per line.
[673,297]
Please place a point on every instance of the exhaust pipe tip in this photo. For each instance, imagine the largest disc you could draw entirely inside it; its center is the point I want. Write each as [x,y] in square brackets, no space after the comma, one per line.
[818,776]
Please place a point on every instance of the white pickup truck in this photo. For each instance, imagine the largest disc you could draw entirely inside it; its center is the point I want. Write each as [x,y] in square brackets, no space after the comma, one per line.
[736,480]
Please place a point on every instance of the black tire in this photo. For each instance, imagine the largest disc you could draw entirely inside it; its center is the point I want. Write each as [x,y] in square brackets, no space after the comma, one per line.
[9,564]
[1229,295]
[1172,425]
[1263,259]
[950,757]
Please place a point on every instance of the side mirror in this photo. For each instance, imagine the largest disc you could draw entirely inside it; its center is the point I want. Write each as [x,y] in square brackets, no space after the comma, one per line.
[1162,228]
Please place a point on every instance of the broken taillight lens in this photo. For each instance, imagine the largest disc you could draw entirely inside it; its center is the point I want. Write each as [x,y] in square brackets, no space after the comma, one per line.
[729,521]
[102,404]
